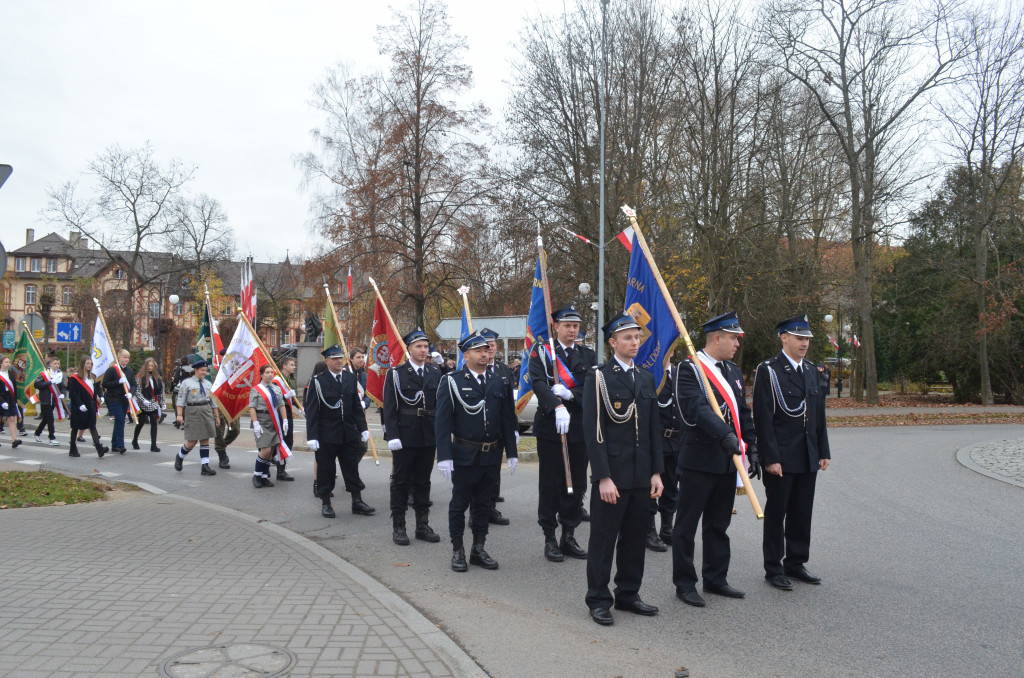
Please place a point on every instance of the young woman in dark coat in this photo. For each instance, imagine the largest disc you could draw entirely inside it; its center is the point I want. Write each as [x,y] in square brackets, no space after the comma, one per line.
[85,401]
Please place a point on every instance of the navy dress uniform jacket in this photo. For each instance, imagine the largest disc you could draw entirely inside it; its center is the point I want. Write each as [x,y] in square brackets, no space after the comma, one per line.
[499,426]
[798,443]
[630,452]
[668,413]
[330,426]
[412,424]
[703,430]
[581,362]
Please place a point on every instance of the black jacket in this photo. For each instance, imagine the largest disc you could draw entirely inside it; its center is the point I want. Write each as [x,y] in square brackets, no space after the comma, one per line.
[703,430]
[113,389]
[42,387]
[80,396]
[412,424]
[542,376]
[498,426]
[668,413]
[629,453]
[334,415]
[796,442]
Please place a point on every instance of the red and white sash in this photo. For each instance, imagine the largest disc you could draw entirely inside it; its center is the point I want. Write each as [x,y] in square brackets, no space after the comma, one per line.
[708,365]
[285,389]
[87,386]
[133,406]
[10,387]
[264,392]
[58,404]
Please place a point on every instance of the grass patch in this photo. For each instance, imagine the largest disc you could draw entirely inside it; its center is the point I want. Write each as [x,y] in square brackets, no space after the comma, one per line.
[23,489]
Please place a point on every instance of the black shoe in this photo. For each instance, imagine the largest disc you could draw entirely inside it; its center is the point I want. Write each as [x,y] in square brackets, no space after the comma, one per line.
[495,518]
[177,462]
[284,475]
[154,448]
[256,482]
[223,463]
[459,560]
[570,547]
[361,508]
[724,590]
[74,453]
[602,615]
[779,582]
[120,450]
[500,498]
[398,533]
[423,531]
[691,598]
[477,556]
[162,417]
[102,449]
[265,482]
[803,575]
[637,606]
[207,471]
[327,511]
[135,445]
[81,439]
[551,550]
[16,443]
[654,543]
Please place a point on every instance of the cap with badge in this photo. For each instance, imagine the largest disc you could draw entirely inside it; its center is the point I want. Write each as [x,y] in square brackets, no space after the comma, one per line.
[333,352]
[727,322]
[414,336]
[474,340]
[620,322]
[489,334]
[199,363]
[568,314]
[798,326]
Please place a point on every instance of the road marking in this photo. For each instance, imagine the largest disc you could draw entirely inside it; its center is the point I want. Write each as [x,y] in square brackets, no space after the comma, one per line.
[5,457]
[30,462]
[171,463]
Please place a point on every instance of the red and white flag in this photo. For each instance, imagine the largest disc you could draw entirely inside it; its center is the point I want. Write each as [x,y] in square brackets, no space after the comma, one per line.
[835,344]
[626,238]
[349,283]
[385,351]
[248,291]
[239,370]
[856,341]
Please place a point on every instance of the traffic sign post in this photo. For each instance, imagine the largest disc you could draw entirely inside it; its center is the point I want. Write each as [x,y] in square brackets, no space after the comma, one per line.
[69,332]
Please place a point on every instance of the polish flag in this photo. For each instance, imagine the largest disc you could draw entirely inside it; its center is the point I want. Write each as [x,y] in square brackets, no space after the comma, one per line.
[350,283]
[626,238]
[834,344]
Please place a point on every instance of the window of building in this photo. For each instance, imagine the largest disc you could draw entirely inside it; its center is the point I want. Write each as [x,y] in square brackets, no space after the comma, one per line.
[19,264]
[36,265]
[51,265]
[179,308]
[50,291]
[119,274]
[30,294]
[154,309]
[66,296]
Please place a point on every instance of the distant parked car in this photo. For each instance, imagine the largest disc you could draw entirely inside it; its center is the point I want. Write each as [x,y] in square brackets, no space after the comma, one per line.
[528,413]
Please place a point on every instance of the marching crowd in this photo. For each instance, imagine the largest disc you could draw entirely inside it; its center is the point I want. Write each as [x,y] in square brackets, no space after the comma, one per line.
[671,454]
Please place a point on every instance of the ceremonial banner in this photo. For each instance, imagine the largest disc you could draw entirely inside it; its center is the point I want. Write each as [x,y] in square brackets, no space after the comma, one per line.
[239,370]
[463,333]
[204,340]
[28,365]
[386,350]
[537,333]
[248,292]
[332,335]
[646,304]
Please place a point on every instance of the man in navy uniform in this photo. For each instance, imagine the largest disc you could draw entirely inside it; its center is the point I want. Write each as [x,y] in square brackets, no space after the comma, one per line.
[672,433]
[336,430]
[789,413]
[620,423]
[410,396]
[707,475]
[560,412]
[495,366]
[476,420]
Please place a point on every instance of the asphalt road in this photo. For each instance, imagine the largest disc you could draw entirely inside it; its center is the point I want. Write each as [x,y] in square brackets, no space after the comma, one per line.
[922,561]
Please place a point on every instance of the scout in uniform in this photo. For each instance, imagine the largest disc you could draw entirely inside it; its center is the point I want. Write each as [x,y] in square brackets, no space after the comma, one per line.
[285,383]
[707,475]
[410,398]
[789,415]
[495,366]
[336,431]
[620,423]
[560,412]
[198,416]
[269,425]
[476,420]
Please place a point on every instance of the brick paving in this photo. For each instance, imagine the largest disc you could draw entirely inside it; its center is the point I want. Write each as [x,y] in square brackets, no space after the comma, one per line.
[116,588]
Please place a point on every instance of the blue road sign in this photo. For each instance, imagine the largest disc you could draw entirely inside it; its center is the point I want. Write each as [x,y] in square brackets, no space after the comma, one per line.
[69,332]
[9,339]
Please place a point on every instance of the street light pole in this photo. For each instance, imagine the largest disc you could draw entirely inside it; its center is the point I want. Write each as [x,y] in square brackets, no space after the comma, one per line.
[598,344]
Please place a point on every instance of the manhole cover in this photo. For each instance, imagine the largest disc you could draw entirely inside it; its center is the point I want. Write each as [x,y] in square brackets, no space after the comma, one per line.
[236,660]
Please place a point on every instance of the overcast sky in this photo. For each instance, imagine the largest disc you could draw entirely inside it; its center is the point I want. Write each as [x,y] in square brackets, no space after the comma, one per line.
[221,85]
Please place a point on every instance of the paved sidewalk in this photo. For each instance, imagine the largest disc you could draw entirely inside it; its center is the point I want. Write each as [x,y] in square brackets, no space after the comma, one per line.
[1002,460]
[123,587]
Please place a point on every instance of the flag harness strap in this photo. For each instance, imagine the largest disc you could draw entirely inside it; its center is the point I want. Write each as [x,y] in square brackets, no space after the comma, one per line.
[471,410]
[416,399]
[320,395]
[780,401]
[602,396]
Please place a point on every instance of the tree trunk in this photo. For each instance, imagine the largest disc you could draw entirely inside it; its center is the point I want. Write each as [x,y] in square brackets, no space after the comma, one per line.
[980,269]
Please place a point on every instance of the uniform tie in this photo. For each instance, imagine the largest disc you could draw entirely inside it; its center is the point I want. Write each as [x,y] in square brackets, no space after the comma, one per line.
[338,377]
[483,379]
[202,391]
[721,368]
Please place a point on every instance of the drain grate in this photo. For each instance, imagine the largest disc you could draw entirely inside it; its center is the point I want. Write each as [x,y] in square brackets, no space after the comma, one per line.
[234,660]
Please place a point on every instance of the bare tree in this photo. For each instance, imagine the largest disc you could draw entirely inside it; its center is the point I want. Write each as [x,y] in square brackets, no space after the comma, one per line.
[200,236]
[868,64]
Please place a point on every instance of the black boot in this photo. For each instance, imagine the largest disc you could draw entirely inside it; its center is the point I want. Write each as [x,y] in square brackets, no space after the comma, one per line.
[398,534]
[666,527]
[207,471]
[73,452]
[223,463]
[458,555]
[495,517]
[477,555]
[327,511]
[652,541]
[423,531]
[570,546]
[135,444]
[360,507]
[551,550]
[282,474]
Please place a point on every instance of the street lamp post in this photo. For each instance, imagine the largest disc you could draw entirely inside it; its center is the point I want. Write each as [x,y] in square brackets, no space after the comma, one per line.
[599,345]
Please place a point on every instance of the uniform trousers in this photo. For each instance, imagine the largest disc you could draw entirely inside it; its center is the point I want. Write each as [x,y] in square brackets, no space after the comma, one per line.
[705,498]
[473,487]
[554,503]
[410,474]
[347,456]
[152,418]
[120,410]
[47,422]
[226,434]
[670,495]
[787,520]
[616,530]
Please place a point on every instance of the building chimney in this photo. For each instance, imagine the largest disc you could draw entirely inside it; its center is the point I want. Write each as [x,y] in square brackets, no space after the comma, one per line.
[75,240]
[30,235]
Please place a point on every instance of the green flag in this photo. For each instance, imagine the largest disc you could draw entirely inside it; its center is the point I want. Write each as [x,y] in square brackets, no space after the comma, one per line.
[26,366]
[332,335]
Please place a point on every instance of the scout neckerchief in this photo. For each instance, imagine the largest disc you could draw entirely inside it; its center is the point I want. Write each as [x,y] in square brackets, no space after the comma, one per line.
[706,362]
[58,404]
[268,398]
[564,373]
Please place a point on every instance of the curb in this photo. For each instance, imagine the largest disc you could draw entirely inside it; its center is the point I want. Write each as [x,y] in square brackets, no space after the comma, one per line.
[963,455]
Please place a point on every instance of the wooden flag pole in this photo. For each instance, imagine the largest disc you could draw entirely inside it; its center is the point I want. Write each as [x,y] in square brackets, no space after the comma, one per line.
[464,291]
[341,338]
[394,327]
[209,321]
[737,460]
[106,331]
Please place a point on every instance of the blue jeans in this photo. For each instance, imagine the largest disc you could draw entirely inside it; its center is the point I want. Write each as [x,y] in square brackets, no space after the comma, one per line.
[119,410]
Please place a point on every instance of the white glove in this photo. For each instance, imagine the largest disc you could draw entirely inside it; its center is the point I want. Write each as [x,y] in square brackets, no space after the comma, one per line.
[103,401]
[446,467]
[395,444]
[81,408]
[257,429]
[313,445]
[512,463]
[364,436]
[290,393]
[3,405]
[562,392]
[561,420]
[364,404]
[284,426]
[517,438]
